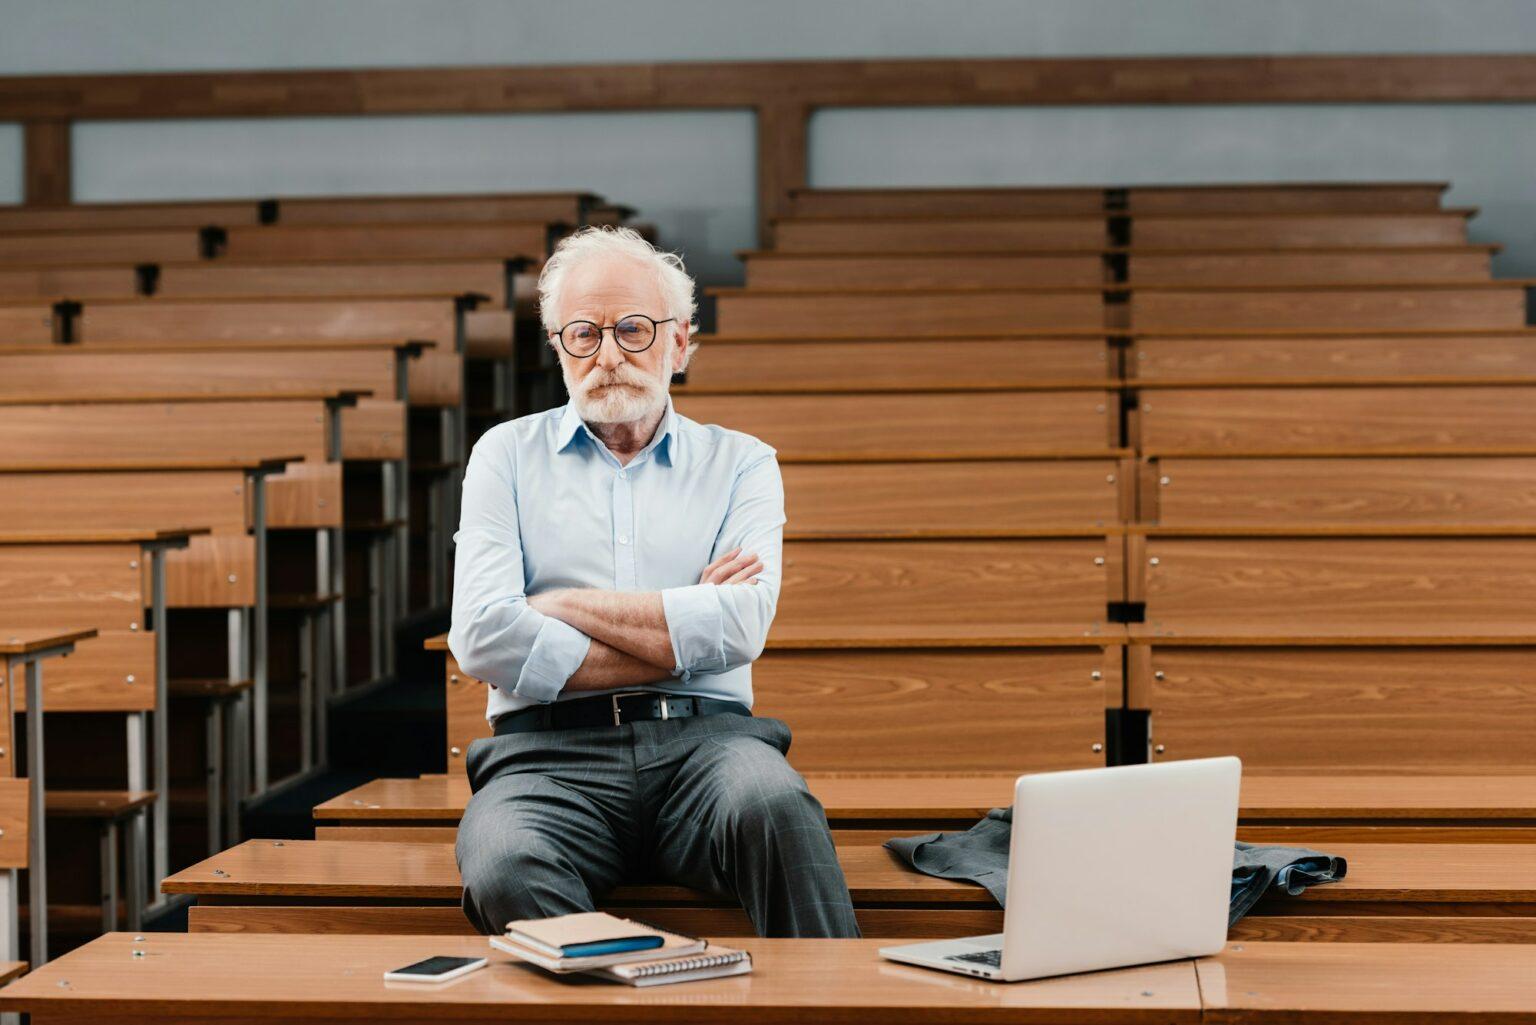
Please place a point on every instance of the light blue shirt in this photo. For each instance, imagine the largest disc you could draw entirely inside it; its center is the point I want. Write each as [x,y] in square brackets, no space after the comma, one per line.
[547,506]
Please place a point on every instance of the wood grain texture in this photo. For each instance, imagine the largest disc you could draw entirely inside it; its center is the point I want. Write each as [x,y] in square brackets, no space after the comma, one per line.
[1323,267]
[27,325]
[915,425]
[1422,709]
[424,241]
[74,282]
[855,589]
[1300,231]
[906,315]
[1420,420]
[894,365]
[305,496]
[46,172]
[1465,490]
[960,497]
[1430,583]
[14,819]
[186,976]
[1317,982]
[374,429]
[1331,309]
[981,202]
[899,270]
[939,235]
[96,585]
[166,322]
[44,249]
[376,278]
[32,639]
[113,672]
[41,435]
[212,572]
[1356,359]
[54,376]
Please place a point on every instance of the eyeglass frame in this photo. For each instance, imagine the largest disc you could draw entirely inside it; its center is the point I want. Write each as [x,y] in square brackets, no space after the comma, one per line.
[614,327]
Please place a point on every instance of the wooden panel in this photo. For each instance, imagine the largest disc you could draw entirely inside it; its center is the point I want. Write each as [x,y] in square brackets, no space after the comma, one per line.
[436,378]
[213,571]
[1414,709]
[488,334]
[96,585]
[1323,420]
[26,325]
[998,270]
[1310,268]
[305,495]
[1381,492]
[170,322]
[57,434]
[1260,197]
[1331,309]
[1332,584]
[74,501]
[854,314]
[1029,709]
[216,280]
[113,672]
[500,241]
[958,498]
[108,216]
[952,363]
[919,235]
[54,248]
[466,713]
[1301,231]
[845,592]
[373,429]
[46,175]
[998,202]
[547,207]
[1354,358]
[13,817]
[73,282]
[102,373]
[917,425]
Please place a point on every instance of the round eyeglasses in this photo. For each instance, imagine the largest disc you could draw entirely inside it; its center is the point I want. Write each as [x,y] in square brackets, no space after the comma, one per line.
[634,333]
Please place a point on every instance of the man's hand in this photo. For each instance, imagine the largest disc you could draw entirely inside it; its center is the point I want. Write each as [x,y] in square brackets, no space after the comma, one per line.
[734,567]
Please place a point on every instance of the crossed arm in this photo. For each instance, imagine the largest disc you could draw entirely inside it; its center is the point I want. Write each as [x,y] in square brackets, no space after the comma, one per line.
[630,641]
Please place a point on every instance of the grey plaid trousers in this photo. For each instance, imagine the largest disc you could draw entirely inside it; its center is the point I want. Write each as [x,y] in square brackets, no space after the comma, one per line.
[560,817]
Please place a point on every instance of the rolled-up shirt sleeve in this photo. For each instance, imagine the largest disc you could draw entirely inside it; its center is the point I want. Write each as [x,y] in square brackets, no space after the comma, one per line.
[496,637]
[717,627]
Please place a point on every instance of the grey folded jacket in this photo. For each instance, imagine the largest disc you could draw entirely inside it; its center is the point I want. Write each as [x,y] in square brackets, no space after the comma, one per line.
[980,855]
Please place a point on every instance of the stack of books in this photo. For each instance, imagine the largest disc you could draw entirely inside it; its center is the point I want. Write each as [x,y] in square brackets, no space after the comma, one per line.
[620,949]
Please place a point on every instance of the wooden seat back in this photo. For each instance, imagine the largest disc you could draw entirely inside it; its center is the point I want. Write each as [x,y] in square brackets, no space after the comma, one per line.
[1359,358]
[1300,230]
[901,315]
[1366,420]
[1408,307]
[940,234]
[509,240]
[1310,267]
[917,270]
[64,248]
[917,425]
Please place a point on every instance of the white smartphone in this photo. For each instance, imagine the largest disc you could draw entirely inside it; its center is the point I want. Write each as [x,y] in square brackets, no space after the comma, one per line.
[436,969]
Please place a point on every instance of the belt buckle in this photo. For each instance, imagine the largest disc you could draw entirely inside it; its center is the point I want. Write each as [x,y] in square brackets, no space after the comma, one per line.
[613,702]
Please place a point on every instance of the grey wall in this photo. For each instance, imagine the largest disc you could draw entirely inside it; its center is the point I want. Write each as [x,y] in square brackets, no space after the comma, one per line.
[692,173]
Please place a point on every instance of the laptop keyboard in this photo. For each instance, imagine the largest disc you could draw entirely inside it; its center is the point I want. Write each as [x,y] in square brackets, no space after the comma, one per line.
[990,958]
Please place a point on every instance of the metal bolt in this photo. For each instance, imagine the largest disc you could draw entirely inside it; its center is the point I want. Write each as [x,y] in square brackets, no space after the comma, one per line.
[1109,478]
[1159,749]
[1157,675]
[1154,560]
[454,751]
[129,678]
[138,939]
[231,578]
[1095,675]
[133,563]
[220,872]
[453,677]
[133,626]
[277,843]
[1145,408]
[1099,408]
[1098,560]
[2,752]
[1097,747]
[1146,992]
[138,953]
[1164,481]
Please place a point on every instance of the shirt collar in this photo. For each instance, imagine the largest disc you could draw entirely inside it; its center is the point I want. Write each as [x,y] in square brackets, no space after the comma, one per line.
[664,443]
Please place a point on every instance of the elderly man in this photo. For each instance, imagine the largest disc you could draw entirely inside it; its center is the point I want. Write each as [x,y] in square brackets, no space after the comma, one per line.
[618,567]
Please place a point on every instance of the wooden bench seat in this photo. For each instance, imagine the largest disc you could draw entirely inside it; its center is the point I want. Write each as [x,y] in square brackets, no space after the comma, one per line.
[1255,197]
[958,364]
[1442,881]
[1411,419]
[839,427]
[865,807]
[1234,359]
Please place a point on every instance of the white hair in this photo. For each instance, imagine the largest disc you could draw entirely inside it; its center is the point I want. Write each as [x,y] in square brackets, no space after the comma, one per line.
[677,287]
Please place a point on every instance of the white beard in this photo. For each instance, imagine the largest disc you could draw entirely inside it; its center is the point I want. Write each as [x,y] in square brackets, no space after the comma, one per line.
[644,396]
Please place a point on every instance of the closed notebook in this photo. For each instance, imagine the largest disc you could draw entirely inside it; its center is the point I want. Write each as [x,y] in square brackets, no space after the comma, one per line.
[713,963]
[592,939]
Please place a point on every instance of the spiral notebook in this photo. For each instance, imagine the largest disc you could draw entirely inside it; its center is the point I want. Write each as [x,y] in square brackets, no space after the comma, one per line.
[713,963]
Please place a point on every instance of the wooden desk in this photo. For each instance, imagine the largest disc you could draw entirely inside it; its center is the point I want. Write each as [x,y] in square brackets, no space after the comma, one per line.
[188,977]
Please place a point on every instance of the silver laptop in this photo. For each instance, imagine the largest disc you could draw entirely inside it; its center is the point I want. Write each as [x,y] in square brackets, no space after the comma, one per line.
[1107,868]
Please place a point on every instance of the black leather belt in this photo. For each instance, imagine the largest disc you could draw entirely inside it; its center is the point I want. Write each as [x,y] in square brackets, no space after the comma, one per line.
[613,710]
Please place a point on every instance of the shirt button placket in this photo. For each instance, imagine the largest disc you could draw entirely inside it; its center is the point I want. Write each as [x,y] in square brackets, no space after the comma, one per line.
[624,532]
